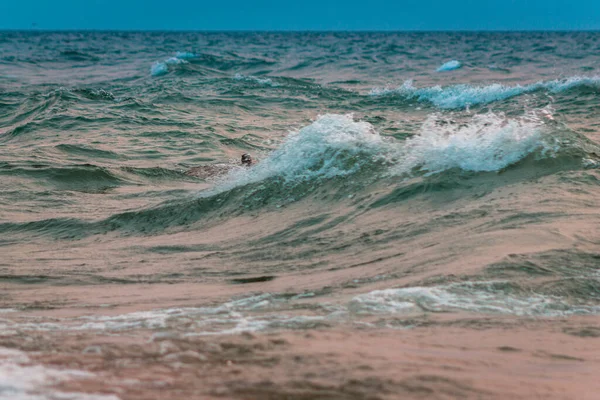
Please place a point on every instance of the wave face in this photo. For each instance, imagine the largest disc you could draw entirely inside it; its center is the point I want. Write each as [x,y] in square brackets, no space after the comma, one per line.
[461,203]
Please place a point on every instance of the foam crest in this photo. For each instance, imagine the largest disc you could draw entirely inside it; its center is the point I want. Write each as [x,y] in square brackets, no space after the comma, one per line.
[158,69]
[449,66]
[487,142]
[184,55]
[162,67]
[336,145]
[462,96]
[255,79]
[479,297]
[333,145]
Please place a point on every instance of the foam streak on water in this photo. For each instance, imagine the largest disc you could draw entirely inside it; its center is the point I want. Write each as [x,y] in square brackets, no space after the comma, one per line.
[22,380]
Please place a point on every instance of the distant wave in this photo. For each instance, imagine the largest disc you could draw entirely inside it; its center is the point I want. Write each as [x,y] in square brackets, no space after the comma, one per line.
[255,79]
[184,55]
[461,96]
[449,66]
[162,67]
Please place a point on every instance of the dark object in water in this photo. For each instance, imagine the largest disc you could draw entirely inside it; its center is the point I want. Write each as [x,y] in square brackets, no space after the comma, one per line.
[255,279]
[247,159]
[214,170]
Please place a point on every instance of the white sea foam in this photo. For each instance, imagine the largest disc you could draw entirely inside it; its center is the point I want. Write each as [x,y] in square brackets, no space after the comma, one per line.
[333,145]
[481,297]
[255,79]
[20,379]
[488,142]
[336,145]
[162,67]
[249,314]
[449,66]
[158,69]
[461,96]
[272,312]
[184,55]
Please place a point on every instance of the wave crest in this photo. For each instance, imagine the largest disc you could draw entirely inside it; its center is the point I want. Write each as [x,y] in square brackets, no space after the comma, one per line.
[462,96]
[488,142]
[333,145]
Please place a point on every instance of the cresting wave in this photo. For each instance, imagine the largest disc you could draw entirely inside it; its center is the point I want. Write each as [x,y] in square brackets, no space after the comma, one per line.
[162,67]
[336,153]
[463,95]
[337,146]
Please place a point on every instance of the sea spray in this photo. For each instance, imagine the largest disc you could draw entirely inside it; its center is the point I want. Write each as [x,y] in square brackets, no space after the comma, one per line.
[488,142]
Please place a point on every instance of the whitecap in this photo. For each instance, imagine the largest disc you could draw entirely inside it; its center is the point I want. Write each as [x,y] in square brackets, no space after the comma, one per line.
[488,142]
[332,146]
[162,67]
[478,297]
[184,55]
[449,66]
[463,95]
[158,69]
[254,79]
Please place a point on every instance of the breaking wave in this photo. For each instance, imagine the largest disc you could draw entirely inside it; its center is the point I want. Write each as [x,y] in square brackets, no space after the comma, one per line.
[162,67]
[462,96]
[337,146]
[488,142]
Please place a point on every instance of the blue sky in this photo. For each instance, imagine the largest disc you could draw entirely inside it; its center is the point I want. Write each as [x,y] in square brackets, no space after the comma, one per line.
[301,15]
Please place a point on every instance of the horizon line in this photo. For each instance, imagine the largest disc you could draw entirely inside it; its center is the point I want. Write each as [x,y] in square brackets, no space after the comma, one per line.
[43,30]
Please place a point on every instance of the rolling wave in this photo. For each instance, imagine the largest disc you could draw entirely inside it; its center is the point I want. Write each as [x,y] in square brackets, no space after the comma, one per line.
[334,154]
[463,95]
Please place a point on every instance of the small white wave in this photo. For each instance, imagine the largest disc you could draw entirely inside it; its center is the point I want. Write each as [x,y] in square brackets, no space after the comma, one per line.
[20,379]
[174,61]
[184,55]
[255,79]
[449,66]
[461,96]
[482,297]
[158,69]
[162,67]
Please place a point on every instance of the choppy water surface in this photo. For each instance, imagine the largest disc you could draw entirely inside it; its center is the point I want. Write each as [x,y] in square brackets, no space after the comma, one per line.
[402,180]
